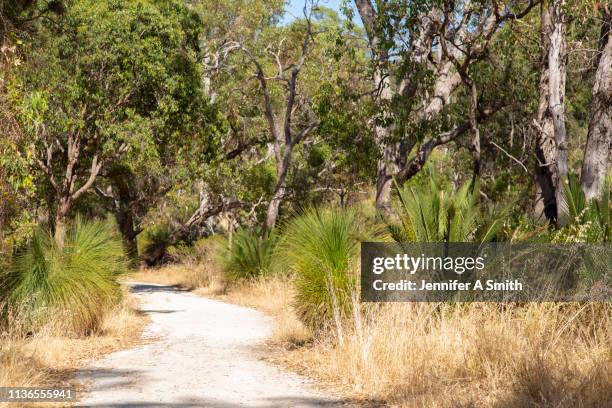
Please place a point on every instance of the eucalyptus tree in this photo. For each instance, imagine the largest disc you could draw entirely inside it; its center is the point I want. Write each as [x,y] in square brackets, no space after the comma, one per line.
[250,60]
[551,143]
[422,52]
[338,162]
[598,150]
[281,116]
[114,84]
[18,19]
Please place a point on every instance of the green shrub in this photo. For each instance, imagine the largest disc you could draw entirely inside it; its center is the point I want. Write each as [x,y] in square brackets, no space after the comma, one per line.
[321,247]
[153,238]
[432,213]
[587,221]
[73,286]
[203,250]
[250,254]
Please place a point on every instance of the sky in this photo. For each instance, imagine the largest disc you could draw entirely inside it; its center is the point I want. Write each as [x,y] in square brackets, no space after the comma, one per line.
[295,8]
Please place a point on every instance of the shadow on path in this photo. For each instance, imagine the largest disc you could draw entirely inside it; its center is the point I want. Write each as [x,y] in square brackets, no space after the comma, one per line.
[284,402]
[150,288]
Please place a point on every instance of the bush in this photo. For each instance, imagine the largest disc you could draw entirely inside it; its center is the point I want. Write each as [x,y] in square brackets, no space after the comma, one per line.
[154,239]
[250,254]
[322,249]
[587,221]
[432,213]
[73,286]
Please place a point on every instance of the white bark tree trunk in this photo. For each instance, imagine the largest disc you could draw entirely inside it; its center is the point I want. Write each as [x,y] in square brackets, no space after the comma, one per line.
[598,150]
[279,190]
[551,148]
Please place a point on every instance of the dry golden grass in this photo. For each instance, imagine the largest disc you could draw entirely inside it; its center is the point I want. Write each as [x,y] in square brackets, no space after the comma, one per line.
[200,268]
[190,276]
[49,359]
[439,355]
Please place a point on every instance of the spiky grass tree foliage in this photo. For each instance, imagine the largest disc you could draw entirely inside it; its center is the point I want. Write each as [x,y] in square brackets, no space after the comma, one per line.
[432,213]
[72,286]
[250,254]
[587,221]
[321,247]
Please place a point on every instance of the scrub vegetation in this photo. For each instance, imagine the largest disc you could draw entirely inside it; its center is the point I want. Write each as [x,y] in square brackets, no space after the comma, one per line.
[244,154]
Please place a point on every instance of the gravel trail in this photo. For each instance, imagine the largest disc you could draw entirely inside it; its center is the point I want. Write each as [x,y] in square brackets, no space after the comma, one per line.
[204,354]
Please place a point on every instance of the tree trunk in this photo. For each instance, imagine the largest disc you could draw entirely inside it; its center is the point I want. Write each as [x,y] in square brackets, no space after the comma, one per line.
[557,63]
[392,153]
[551,145]
[279,190]
[598,150]
[386,167]
[385,170]
[475,144]
[125,223]
[123,194]
[273,208]
[60,223]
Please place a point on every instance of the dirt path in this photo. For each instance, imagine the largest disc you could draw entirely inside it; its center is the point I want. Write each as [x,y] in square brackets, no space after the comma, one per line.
[204,355]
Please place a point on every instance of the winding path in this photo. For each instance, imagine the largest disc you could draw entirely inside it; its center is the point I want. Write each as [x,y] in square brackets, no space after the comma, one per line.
[204,354]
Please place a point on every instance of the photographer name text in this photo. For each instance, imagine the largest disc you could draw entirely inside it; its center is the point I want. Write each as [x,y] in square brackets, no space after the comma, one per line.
[450,285]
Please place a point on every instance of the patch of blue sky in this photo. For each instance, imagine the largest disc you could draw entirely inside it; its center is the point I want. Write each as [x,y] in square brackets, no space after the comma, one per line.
[295,9]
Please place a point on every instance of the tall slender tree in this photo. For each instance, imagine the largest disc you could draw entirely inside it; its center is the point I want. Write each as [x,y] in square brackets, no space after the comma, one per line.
[598,151]
[551,143]
[284,133]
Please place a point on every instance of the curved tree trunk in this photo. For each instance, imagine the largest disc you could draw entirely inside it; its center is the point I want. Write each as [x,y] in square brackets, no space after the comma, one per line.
[598,150]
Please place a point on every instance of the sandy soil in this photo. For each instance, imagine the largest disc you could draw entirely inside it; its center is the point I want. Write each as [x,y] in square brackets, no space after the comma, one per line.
[202,353]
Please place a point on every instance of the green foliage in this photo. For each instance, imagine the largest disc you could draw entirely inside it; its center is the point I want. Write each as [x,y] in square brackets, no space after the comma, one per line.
[586,221]
[120,83]
[432,213]
[250,254]
[73,286]
[205,251]
[154,237]
[321,247]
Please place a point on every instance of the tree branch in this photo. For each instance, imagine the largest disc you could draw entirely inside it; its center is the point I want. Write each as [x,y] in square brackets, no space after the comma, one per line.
[93,173]
[415,165]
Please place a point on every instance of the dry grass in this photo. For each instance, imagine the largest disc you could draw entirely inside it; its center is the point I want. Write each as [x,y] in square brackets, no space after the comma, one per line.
[188,275]
[440,355]
[199,268]
[49,359]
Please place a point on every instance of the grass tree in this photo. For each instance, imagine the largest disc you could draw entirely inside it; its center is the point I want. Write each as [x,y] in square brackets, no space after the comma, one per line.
[321,247]
[77,281]
[433,213]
